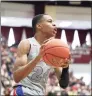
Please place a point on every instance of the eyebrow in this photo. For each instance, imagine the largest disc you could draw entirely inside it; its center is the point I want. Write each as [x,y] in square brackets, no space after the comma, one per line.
[47,20]
[51,19]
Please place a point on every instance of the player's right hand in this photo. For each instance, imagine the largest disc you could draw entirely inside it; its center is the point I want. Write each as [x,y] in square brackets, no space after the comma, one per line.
[41,52]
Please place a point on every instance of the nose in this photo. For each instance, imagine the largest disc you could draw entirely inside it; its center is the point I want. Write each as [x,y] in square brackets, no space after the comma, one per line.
[53,24]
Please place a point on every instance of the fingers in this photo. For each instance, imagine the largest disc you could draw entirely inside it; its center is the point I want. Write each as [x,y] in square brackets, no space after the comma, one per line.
[68,61]
[44,43]
[48,40]
[64,66]
[43,46]
[65,63]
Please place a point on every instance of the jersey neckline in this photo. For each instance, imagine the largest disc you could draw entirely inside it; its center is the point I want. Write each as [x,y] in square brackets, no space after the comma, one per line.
[36,41]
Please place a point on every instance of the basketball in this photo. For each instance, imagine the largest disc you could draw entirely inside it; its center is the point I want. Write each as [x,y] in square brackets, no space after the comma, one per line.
[55,51]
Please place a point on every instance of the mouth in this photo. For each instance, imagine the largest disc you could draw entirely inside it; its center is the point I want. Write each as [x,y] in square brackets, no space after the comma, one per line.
[55,30]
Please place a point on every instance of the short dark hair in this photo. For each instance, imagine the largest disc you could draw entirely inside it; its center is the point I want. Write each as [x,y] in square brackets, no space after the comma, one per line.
[35,20]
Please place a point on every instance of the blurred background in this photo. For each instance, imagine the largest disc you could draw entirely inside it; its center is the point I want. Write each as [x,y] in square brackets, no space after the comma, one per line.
[73,20]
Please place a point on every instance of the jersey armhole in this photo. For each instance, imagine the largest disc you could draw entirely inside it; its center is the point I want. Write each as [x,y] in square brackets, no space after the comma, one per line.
[29,50]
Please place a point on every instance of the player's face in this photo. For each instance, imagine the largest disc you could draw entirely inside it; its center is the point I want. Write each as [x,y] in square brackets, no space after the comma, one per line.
[48,27]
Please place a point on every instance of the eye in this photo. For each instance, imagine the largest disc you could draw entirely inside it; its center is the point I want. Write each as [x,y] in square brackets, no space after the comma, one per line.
[50,21]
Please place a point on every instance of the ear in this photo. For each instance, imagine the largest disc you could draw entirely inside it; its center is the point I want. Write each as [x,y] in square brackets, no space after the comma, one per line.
[39,26]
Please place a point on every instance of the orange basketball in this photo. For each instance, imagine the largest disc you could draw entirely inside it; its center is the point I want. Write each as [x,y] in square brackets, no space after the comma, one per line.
[54,51]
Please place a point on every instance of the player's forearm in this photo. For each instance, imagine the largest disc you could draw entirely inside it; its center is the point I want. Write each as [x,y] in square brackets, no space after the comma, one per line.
[64,78]
[25,70]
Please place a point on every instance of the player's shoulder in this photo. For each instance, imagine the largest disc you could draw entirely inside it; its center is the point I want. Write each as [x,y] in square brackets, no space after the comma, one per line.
[24,43]
[24,46]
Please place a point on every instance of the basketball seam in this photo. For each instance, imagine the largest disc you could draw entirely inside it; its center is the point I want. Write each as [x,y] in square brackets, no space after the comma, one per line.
[55,55]
[48,59]
[53,47]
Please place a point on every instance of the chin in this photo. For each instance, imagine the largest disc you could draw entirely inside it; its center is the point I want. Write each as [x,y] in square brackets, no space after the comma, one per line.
[54,35]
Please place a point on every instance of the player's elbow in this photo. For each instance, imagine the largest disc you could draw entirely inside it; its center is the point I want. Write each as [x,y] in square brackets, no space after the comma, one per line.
[16,79]
[63,84]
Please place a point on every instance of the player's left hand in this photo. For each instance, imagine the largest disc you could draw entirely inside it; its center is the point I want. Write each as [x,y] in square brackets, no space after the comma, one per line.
[65,63]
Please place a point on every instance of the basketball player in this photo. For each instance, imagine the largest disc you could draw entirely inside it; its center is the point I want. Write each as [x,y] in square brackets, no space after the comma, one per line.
[30,71]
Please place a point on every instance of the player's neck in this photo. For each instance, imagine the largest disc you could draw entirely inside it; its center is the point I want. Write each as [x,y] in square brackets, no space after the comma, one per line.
[40,38]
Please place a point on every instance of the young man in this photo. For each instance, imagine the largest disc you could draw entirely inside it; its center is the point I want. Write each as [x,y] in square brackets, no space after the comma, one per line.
[30,71]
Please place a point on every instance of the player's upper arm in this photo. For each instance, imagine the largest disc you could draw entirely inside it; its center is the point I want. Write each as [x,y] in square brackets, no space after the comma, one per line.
[22,51]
